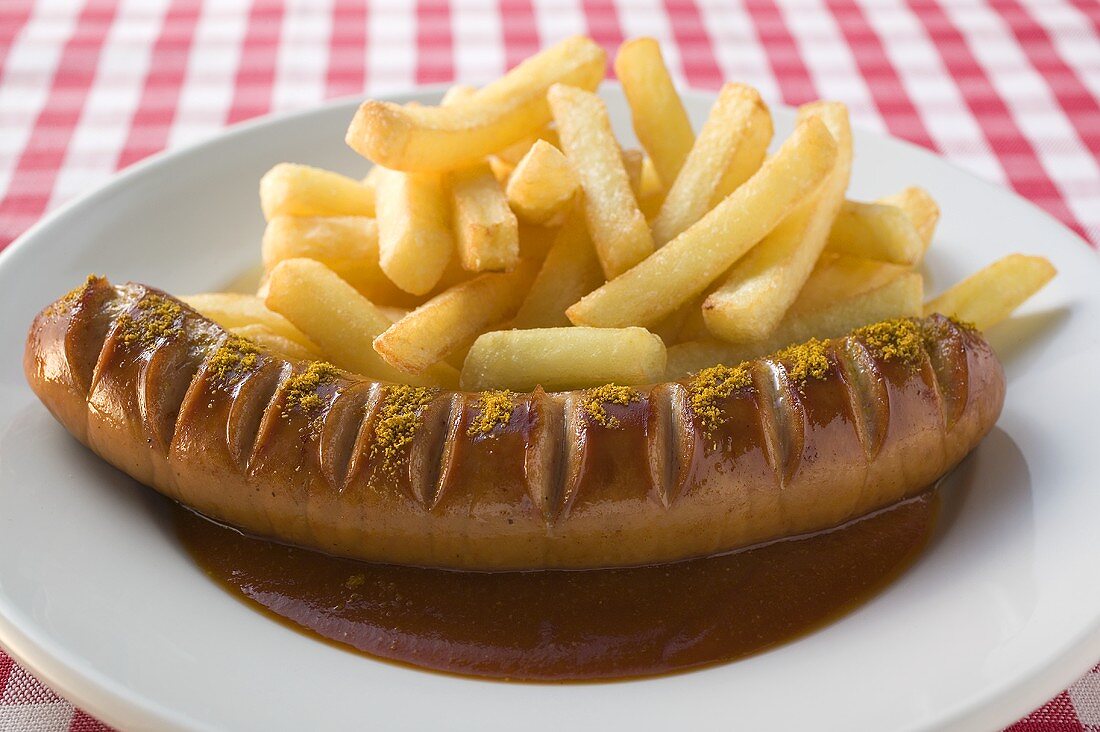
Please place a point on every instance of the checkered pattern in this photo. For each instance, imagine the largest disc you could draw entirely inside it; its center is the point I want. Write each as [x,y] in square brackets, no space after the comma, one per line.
[1009,89]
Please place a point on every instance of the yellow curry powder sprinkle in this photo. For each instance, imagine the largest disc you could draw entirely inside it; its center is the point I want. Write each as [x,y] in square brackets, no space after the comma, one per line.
[595,401]
[234,354]
[494,408]
[935,330]
[73,296]
[158,318]
[301,389]
[900,339]
[710,386]
[397,422]
[807,360]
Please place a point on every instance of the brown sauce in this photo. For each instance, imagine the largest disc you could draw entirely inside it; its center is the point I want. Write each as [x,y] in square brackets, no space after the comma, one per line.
[570,625]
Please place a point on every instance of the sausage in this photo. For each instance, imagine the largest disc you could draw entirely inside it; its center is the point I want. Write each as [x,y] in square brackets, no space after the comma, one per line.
[305,454]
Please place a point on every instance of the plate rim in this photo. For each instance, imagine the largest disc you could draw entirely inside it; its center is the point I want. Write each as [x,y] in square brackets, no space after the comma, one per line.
[73,677]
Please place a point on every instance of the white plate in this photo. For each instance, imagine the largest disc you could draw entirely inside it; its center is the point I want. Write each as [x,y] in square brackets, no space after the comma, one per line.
[98,598]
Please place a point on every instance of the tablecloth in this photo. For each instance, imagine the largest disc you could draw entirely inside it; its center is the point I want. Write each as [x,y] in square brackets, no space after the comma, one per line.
[1009,89]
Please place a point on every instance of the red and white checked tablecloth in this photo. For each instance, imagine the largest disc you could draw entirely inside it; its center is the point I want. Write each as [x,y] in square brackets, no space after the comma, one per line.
[1009,89]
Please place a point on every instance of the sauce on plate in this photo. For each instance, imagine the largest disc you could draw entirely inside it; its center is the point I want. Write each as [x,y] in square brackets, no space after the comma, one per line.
[570,625]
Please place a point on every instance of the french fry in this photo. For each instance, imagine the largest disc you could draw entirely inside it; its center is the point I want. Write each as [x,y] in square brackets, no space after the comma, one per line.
[340,320]
[563,358]
[426,335]
[837,276]
[348,245]
[414,234]
[393,313]
[749,155]
[633,160]
[485,228]
[502,170]
[543,185]
[535,241]
[651,193]
[618,227]
[660,120]
[921,209]
[570,271]
[232,310]
[668,328]
[268,339]
[876,231]
[684,267]
[683,324]
[690,357]
[457,357]
[726,131]
[289,189]
[761,286]
[988,296]
[515,152]
[896,297]
[444,138]
[457,94]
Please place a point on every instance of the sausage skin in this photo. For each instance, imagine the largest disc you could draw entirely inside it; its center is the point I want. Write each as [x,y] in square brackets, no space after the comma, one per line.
[547,485]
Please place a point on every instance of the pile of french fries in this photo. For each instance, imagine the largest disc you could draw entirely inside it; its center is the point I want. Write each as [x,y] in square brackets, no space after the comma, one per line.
[505,239]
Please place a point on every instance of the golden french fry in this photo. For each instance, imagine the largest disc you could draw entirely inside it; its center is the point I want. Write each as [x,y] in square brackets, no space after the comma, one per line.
[660,120]
[921,209]
[340,320]
[502,170]
[290,189]
[426,335]
[633,161]
[268,339]
[749,155]
[535,241]
[563,358]
[898,297]
[762,285]
[668,328]
[726,131]
[457,357]
[393,313]
[232,310]
[348,245]
[876,231]
[485,228]
[651,193]
[895,298]
[370,180]
[570,271]
[618,227]
[543,185]
[684,267]
[690,357]
[414,234]
[457,94]
[837,276]
[988,296]
[444,138]
[515,152]
[683,324]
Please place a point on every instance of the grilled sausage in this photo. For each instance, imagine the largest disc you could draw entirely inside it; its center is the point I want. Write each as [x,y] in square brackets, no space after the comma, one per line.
[304,454]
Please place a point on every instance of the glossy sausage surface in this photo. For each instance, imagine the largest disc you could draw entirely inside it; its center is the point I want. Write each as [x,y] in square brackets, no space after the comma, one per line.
[316,458]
